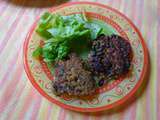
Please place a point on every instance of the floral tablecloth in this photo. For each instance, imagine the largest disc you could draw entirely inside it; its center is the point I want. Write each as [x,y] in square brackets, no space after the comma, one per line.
[19,100]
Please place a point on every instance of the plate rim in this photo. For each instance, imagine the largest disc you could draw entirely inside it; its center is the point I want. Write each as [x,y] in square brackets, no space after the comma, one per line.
[78,109]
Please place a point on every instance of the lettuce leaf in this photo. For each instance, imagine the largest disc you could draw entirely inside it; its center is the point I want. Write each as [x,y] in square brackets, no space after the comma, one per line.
[61,32]
[36,53]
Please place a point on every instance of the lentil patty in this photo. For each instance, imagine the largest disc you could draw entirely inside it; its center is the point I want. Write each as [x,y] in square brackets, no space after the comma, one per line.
[71,78]
[110,55]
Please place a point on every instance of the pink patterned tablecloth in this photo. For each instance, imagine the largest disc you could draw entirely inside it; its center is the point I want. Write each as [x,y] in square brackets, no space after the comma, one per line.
[19,100]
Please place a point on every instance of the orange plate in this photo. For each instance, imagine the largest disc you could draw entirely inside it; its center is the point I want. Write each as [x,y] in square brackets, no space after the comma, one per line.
[111,95]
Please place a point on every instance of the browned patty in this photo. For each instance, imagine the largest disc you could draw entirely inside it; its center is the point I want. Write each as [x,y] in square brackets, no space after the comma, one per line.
[71,78]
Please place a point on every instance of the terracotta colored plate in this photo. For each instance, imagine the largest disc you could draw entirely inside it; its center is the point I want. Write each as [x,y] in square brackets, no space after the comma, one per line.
[111,95]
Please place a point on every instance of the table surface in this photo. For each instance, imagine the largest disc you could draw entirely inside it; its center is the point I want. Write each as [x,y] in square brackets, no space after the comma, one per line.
[19,100]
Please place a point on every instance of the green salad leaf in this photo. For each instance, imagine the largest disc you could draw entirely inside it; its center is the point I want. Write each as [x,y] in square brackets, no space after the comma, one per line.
[62,34]
[37,52]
